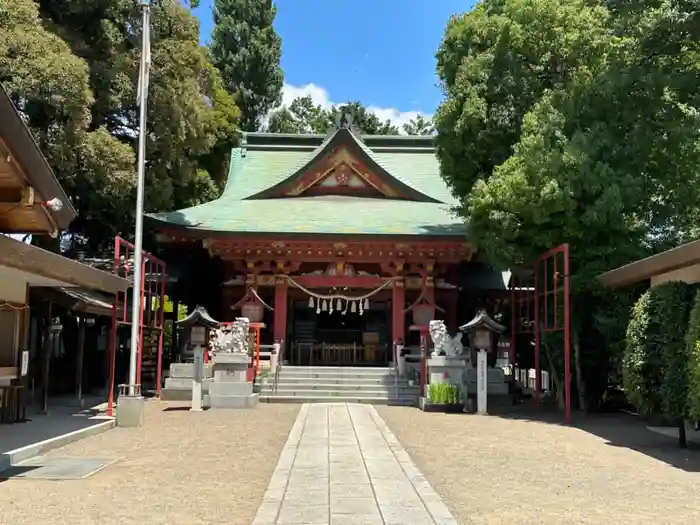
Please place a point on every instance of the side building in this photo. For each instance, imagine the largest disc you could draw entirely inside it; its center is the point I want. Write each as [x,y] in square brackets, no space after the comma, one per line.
[336,242]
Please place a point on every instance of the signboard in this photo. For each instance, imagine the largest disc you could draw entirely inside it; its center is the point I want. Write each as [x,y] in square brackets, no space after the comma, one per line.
[24,367]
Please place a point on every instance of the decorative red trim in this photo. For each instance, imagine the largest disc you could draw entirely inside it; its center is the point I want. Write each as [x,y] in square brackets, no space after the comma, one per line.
[420,254]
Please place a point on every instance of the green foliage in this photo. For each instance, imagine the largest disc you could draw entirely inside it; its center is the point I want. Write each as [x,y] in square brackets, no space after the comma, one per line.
[443,393]
[247,51]
[692,342]
[419,125]
[303,116]
[655,360]
[72,67]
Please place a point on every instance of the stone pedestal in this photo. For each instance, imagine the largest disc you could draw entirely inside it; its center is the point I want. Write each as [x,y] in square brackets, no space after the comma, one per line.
[178,386]
[229,387]
[496,379]
[130,411]
[446,369]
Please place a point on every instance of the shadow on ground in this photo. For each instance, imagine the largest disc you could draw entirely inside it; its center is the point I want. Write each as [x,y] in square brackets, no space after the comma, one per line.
[617,429]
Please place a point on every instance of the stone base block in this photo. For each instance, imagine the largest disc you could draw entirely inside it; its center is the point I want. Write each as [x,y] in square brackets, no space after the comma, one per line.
[175,394]
[186,370]
[182,383]
[230,389]
[231,401]
[130,411]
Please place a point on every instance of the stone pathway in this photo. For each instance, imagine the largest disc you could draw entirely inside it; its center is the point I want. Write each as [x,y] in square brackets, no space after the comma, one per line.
[343,466]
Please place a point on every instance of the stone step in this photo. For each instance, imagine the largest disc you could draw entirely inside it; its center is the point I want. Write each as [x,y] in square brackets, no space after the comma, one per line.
[348,398]
[388,393]
[350,387]
[336,375]
[350,379]
[361,370]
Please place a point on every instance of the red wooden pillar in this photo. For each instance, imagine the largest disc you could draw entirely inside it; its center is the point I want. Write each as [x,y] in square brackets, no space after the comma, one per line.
[429,296]
[280,329]
[398,317]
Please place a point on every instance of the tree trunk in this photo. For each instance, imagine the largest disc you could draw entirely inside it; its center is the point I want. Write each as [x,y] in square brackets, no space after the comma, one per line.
[555,375]
[580,385]
[682,438]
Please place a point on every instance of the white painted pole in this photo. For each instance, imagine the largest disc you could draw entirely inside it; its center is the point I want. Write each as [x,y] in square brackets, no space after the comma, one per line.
[138,235]
[481,382]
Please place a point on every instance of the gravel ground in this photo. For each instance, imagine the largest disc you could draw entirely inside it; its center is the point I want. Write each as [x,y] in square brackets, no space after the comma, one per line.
[183,468]
[517,470]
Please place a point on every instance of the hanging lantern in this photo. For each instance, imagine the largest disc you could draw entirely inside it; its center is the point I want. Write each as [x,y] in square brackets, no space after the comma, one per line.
[366,306]
[338,305]
[324,306]
[311,302]
[253,310]
[423,313]
[353,307]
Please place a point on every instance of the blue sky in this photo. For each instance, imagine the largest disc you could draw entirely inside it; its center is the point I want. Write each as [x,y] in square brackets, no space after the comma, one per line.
[380,52]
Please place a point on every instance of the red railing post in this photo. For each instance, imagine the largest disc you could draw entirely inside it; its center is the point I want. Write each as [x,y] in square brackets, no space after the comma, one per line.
[538,377]
[567,335]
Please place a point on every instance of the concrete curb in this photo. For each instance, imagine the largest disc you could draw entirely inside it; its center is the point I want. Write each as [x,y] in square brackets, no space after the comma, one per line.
[18,455]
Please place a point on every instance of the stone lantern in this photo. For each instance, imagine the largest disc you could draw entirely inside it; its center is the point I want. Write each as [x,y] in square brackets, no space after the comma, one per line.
[198,324]
[481,330]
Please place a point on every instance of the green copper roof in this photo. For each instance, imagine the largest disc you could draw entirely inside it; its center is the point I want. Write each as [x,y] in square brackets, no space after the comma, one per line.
[265,160]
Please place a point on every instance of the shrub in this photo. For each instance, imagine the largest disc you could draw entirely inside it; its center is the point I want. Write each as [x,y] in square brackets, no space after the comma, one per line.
[655,360]
[692,342]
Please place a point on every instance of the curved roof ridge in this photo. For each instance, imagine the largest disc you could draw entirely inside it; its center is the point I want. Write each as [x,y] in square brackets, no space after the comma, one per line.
[368,151]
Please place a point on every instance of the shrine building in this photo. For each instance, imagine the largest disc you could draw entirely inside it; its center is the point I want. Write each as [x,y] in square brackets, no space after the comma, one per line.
[338,243]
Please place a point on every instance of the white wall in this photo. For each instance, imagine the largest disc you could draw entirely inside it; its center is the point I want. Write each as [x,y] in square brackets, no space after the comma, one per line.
[13,290]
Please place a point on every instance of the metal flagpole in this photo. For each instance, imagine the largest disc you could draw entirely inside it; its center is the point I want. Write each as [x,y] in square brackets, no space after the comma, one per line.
[142,95]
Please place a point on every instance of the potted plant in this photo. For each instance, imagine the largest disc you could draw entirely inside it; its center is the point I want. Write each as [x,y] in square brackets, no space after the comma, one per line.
[263,375]
[443,397]
[412,377]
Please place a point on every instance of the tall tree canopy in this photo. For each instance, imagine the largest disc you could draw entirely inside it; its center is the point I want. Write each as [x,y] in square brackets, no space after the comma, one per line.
[72,68]
[303,116]
[573,121]
[247,51]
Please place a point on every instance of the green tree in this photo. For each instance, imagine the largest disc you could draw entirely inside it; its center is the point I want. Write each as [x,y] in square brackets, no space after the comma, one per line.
[302,116]
[419,125]
[367,122]
[563,122]
[72,67]
[247,51]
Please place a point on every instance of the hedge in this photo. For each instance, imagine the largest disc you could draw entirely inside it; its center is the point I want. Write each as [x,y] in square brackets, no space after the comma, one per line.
[655,361]
[692,342]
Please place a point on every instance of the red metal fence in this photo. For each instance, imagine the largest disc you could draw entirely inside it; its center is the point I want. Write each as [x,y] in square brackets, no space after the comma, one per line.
[540,296]
[152,320]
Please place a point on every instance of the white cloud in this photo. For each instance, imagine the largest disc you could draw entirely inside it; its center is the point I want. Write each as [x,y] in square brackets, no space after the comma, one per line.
[321,97]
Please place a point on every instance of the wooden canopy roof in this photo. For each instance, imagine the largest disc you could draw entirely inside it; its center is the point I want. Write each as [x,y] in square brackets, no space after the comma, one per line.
[672,260]
[43,268]
[26,179]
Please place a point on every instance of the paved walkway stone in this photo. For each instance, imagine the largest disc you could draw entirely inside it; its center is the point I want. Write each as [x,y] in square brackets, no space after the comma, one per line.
[343,466]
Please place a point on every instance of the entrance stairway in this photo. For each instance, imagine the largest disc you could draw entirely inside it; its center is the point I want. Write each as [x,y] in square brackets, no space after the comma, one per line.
[326,384]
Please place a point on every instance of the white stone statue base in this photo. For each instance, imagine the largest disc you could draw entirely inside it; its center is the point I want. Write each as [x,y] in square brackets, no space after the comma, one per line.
[230,387]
